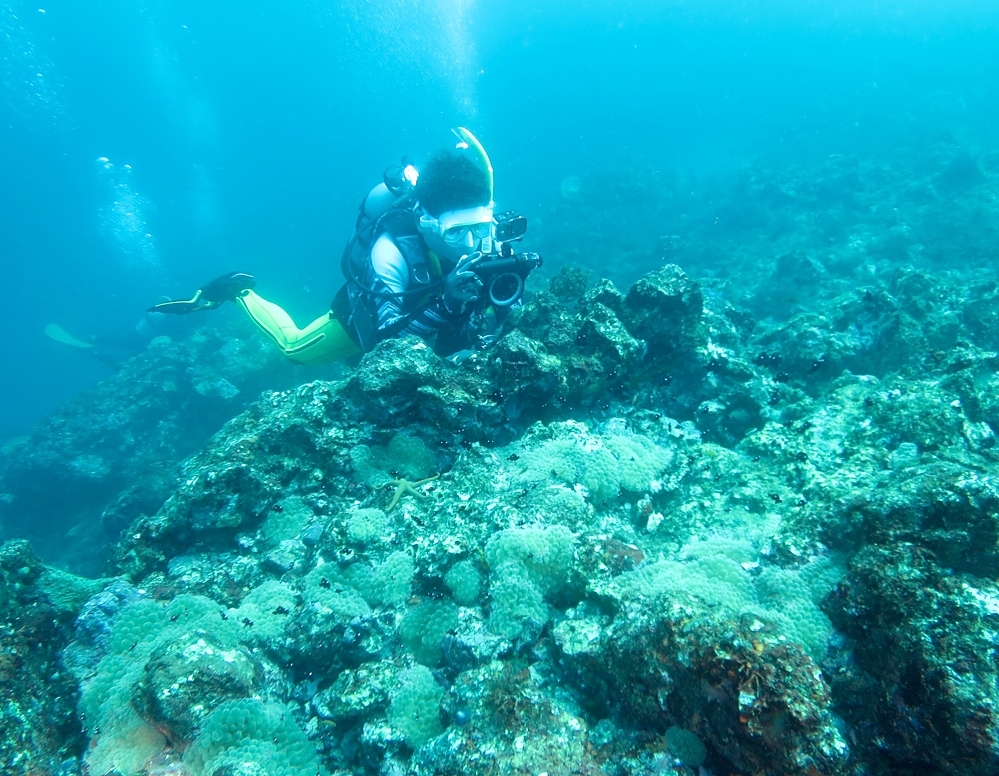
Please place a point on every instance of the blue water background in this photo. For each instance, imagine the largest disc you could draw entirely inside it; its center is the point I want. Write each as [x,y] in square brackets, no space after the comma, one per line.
[251,129]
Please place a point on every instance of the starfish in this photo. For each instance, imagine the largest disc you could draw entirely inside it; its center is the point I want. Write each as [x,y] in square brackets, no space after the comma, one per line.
[404,487]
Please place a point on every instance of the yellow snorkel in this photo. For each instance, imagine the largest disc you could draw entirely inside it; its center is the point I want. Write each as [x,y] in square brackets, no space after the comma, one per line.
[466,140]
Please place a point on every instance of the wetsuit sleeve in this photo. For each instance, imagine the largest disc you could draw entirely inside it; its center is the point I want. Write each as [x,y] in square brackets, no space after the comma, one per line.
[388,272]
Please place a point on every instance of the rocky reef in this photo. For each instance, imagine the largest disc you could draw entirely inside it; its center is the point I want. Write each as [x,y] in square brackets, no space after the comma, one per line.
[40,731]
[691,526]
[77,480]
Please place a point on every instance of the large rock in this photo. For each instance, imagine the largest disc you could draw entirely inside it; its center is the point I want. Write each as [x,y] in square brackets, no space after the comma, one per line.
[403,383]
[664,309]
[755,699]
[39,727]
[181,685]
[921,696]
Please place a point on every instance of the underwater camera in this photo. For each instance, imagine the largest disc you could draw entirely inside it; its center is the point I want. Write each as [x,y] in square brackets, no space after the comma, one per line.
[510,227]
[502,271]
[504,277]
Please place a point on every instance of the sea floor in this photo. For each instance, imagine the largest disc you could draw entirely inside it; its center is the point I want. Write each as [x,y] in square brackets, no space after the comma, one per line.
[732,510]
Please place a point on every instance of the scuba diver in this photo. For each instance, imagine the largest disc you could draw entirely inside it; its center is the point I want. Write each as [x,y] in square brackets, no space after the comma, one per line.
[429,257]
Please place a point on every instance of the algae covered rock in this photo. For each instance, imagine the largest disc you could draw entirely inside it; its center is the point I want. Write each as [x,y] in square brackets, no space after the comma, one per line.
[171,672]
[39,728]
[507,723]
[526,375]
[113,454]
[211,673]
[664,309]
[252,736]
[758,702]
[923,686]
[402,383]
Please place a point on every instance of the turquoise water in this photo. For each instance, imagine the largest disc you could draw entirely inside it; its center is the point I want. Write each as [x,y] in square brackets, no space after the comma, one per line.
[722,499]
[252,130]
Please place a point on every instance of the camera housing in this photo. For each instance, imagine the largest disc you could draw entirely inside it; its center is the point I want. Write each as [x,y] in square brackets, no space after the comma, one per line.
[503,274]
[510,227]
[500,269]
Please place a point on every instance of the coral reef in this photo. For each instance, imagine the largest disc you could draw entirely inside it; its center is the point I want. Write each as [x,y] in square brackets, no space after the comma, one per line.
[112,454]
[740,517]
[39,728]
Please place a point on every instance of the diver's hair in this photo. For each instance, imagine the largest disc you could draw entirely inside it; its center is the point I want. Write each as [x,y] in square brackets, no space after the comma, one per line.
[451,182]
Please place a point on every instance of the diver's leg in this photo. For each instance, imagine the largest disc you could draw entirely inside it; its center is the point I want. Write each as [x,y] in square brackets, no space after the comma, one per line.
[322,341]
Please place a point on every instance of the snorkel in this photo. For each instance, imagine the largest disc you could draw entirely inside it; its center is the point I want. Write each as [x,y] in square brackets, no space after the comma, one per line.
[468,141]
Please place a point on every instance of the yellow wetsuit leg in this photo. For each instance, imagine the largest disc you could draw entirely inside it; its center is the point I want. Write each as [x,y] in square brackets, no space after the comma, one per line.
[321,342]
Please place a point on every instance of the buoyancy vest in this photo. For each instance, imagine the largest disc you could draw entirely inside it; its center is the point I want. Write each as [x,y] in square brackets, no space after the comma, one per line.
[383,212]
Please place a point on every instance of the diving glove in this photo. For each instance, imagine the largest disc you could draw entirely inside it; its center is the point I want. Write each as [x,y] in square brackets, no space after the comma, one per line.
[462,286]
[224,288]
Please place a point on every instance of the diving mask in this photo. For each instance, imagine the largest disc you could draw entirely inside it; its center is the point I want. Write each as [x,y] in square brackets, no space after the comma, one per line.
[461,227]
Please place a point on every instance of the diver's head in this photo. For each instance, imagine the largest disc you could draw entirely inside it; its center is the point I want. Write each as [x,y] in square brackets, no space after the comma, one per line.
[456,209]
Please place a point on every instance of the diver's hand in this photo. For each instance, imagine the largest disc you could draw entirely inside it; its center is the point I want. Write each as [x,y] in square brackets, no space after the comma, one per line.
[224,288]
[462,286]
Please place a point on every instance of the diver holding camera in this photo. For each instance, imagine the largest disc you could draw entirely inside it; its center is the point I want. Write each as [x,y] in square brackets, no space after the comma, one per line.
[485,285]
[428,257]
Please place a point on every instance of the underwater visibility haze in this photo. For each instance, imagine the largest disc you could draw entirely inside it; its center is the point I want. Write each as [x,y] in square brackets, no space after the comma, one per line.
[700,476]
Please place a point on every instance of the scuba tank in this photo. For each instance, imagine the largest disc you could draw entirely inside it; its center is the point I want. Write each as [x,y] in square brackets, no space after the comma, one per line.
[387,209]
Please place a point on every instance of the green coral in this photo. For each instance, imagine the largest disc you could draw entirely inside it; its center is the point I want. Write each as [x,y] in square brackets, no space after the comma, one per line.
[331,594]
[822,575]
[249,731]
[355,590]
[287,522]
[465,582]
[600,474]
[525,564]
[517,602]
[787,592]
[715,572]
[134,624]
[389,582]
[394,579]
[546,552]
[605,464]
[365,526]
[404,456]
[415,707]
[268,607]
[639,460]
[126,742]
[423,628]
